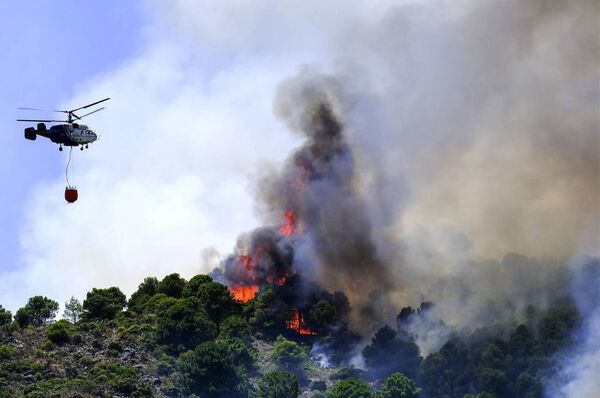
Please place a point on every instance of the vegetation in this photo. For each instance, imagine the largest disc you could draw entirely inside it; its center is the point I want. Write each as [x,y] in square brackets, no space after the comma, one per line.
[59,332]
[398,386]
[171,285]
[178,339]
[73,310]
[278,385]
[392,351]
[210,370]
[38,311]
[184,325]
[5,316]
[103,304]
[288,355]
[350,388]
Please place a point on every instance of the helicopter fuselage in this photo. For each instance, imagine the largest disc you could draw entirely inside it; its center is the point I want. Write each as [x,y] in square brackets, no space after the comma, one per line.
[71,134]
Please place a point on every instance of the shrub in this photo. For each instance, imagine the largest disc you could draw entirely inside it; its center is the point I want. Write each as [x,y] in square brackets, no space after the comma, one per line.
[278,385]
[7,352]
[288,355]
[239,352]
[59,332]
[122,378]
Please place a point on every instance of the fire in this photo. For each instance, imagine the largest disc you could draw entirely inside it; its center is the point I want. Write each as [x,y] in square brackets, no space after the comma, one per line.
[289,225]
[298,324]
[244,293]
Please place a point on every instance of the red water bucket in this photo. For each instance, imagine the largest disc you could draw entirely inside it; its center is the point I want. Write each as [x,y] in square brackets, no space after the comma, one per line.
[70,194]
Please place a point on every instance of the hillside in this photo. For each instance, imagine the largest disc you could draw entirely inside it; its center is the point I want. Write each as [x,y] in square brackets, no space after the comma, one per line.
[177,338]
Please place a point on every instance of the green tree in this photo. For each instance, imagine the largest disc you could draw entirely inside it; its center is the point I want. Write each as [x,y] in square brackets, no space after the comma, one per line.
[268,312]
[446,373]
[183,325]
[147,289]
[321,317]
[350,388]
[73,310]
[494,381]
[527,386]
[38,311]
[5,316]
[102,304]
[391,352]
[278,385]
[217,301]
[191,288]
[556,327]
[209,371]
[398,386]
[288,355]
[158,303]
[235,326]
[520,346]
[239,353]
[171,285]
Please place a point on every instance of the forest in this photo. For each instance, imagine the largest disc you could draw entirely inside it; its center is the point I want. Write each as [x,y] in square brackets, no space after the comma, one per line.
[192,338]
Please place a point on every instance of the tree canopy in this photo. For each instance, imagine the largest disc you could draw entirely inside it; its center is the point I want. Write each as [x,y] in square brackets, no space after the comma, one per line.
[351,387]
[391,351]
[38,311]
[398,386]
[103,303]
[278,385]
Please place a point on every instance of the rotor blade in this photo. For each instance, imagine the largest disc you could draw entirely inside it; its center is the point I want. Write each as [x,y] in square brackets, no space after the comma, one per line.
[81,117]
[44,121]
[88,105]
[32,109]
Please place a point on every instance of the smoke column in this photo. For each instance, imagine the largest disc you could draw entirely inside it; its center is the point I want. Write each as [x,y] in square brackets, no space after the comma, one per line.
[452,156]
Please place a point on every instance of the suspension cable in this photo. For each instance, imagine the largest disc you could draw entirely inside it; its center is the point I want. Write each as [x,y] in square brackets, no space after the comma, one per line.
[67,168]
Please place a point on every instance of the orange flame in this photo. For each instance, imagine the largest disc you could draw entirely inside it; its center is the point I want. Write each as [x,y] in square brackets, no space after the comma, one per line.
[244,293]
[289,225]
[298,324]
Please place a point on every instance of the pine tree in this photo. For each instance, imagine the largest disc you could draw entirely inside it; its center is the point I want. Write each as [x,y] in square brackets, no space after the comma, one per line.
[73,310]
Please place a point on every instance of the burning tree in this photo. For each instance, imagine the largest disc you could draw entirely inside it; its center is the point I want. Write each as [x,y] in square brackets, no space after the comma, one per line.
[319,231]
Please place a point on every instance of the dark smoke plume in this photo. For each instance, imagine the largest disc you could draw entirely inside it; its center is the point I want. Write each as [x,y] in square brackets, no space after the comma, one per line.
[332,243]
[448,139]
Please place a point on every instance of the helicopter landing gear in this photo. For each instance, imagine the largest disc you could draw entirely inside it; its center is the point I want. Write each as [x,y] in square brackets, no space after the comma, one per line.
[86,146]
[60,148]
[81,148]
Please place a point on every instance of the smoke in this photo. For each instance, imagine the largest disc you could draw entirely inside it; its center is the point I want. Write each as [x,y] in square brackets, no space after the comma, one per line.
[482,121]
[447,140]
[578,376]
[329,238]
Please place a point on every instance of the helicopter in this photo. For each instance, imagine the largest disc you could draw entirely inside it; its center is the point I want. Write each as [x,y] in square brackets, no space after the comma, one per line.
[69,133]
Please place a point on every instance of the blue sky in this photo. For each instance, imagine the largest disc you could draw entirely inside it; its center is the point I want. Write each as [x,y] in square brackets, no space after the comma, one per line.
[48,49]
